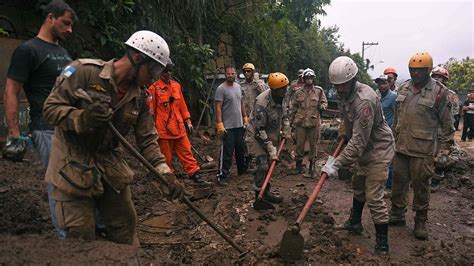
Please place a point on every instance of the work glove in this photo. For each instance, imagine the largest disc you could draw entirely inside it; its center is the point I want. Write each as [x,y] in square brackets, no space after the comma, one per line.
[324,106]
[189,126]
[330,168]
[97,113]
[246,121]
[221,132]
[272,151]
[174,190]
[14,149]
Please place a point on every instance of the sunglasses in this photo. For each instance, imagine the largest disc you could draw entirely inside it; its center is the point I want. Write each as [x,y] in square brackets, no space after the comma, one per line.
[247,71]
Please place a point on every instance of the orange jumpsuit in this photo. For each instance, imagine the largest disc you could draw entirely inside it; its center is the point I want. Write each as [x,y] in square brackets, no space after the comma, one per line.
[167,104]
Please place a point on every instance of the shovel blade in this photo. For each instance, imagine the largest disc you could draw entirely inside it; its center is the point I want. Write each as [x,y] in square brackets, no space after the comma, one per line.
[260,205]
[291,245]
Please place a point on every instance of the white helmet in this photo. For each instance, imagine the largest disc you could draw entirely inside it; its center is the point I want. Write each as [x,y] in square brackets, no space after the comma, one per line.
[308,73]
[342,69]
[150,44]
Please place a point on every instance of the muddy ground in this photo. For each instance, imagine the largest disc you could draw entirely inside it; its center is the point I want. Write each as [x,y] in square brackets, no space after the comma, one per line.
[172,234]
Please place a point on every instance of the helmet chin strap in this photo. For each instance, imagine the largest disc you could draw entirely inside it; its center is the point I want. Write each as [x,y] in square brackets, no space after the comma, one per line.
[136,66]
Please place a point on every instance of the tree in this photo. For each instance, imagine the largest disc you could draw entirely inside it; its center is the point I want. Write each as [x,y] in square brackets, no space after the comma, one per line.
[461,74]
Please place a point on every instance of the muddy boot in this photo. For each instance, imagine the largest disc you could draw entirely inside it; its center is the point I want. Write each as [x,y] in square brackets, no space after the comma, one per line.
[354,223]
[271,197]
[381,239]
[397,217]
[299,168]
[196,177]
[420,225]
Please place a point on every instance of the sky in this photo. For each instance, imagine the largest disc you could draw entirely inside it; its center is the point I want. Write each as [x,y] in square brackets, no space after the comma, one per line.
[443,28]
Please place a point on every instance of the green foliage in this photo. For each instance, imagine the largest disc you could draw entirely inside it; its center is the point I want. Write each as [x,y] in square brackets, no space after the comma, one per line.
[191,60]
[281,35]
[3,32]
[461,74]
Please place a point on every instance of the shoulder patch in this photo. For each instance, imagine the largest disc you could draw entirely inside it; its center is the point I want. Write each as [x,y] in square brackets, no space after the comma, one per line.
[68,71]
[366,115]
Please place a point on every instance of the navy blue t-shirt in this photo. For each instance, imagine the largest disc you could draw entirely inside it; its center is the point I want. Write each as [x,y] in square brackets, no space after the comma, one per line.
[36,64]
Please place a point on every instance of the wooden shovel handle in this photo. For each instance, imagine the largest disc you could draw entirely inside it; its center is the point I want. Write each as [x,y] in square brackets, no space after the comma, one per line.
[318,187]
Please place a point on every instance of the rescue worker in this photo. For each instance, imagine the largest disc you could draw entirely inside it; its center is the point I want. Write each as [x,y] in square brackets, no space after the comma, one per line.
[87,169]
[294,86]
[392,78]
[442,75]
[268,124]
[422,107]
[305,118]
[370,147]
[172,118]
[251,88]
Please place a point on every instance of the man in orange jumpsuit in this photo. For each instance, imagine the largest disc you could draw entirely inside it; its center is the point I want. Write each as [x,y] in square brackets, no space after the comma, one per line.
[171,120]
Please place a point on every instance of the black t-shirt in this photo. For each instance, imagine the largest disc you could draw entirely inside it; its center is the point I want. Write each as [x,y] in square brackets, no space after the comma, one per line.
[37,63]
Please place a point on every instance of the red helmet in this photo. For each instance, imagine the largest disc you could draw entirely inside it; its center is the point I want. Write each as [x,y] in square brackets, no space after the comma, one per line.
[440,71]
[389,70]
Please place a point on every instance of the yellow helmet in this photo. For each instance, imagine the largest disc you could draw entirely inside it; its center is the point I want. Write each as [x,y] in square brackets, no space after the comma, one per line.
[421,60]
[248,66]
[277,80]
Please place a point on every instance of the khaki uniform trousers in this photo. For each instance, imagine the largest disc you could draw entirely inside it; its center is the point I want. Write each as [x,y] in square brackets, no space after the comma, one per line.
[76,215]
[368,186]
[416,170]
[304,134]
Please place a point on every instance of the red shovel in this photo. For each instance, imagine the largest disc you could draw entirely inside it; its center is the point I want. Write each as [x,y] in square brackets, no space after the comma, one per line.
[292,243]
[259,203]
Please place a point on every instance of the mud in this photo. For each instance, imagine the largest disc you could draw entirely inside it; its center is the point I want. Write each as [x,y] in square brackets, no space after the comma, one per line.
[172,234]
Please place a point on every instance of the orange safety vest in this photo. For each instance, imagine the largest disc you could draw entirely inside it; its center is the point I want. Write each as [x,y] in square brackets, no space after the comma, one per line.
[167,103]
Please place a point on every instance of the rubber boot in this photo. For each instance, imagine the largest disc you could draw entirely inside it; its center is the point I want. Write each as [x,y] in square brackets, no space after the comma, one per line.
[354,223]
[397,217]
[381,239]
[271,197]
[196,177]
[299,167]
[420,230]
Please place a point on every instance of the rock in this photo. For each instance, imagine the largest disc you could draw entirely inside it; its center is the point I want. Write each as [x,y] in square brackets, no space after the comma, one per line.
[428,255]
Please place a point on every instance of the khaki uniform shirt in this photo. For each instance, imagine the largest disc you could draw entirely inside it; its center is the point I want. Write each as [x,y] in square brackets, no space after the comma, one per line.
[266,123]
[305,111]
[250,91]
[82,157]
[370,138]
[417,119]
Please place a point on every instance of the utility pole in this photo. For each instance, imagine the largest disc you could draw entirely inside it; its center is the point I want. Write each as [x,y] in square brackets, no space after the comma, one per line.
[364,44]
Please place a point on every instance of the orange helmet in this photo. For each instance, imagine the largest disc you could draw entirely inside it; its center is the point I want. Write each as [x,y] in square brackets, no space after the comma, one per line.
[421,60]
[440,71]
[389,70]
[277,80]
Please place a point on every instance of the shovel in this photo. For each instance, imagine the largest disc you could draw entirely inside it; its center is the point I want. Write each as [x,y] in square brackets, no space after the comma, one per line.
[259,203]
[292,242]
[185,199]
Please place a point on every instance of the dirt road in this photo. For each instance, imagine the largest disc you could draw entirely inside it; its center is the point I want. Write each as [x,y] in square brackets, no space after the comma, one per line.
[171,234]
